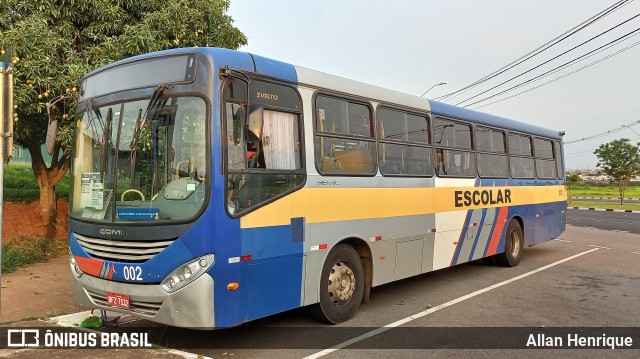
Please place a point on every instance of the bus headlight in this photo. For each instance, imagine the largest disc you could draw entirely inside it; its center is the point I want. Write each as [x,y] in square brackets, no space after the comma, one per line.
[75,268]
[187,273]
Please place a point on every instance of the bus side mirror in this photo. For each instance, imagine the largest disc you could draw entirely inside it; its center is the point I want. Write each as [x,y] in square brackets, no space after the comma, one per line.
[254,124]
[52,133]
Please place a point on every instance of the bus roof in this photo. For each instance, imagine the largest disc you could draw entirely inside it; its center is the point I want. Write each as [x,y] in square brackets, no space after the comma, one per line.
[301,75]
[462,113]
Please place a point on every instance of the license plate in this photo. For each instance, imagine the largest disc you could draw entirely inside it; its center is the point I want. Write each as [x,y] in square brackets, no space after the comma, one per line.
[118,300]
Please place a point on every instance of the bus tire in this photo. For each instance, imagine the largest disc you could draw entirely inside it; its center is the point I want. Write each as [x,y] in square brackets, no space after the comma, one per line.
[513,246]
[341,285]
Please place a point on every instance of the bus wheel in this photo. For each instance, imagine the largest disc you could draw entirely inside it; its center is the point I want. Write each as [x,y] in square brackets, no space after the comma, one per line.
[513,246]
[341,285]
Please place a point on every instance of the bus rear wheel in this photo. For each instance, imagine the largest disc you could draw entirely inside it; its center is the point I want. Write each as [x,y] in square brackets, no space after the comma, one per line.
[513,246]
[341,285]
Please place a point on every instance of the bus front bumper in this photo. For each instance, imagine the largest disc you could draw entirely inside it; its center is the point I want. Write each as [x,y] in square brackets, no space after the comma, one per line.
[188,307]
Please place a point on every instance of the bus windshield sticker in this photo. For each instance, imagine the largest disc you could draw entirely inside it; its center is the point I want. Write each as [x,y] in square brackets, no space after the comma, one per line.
[99,213]
[137,213]
[91,191]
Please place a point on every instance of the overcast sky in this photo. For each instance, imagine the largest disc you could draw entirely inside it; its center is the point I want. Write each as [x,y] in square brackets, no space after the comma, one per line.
[409,45]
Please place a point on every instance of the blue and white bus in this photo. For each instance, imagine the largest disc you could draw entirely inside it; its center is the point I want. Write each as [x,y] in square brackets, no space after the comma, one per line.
[211,187]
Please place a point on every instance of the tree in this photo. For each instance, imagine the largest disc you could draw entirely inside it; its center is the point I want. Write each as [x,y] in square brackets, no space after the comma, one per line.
[55,42]
[620,160]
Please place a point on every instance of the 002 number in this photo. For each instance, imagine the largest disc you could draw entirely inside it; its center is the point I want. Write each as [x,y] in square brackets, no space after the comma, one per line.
[132,273]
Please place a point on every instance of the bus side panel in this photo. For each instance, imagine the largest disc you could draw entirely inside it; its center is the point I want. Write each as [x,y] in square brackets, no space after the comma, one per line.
[452,228]
[274,281]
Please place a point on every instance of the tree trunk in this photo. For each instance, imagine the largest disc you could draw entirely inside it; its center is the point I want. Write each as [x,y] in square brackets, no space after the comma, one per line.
[621,187]
[48,208]
[47,177]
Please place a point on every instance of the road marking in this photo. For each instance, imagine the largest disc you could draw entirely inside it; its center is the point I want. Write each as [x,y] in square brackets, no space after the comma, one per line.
[562,240]
[635,252]
[591,245]
[439,307]
[187,355]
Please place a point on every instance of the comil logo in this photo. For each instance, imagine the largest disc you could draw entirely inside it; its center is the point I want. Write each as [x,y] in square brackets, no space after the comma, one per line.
[23,338]
[113,232]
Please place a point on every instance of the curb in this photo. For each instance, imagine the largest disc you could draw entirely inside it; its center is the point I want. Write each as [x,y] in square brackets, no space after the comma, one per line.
[604,209]
[617,199]
[72,320]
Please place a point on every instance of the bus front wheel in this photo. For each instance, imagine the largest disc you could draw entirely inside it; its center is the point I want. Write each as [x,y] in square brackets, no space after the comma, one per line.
[513,246]
[341,285]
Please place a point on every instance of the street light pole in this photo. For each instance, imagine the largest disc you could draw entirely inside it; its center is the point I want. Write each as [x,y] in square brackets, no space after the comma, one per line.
[6,129]
[438,84]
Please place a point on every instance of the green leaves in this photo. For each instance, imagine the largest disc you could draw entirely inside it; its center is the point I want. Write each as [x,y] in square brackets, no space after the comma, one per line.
[58,41]
[620,160]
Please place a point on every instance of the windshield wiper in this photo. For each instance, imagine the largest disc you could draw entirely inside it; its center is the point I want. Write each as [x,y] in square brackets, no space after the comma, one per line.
[106,142]
[150,112]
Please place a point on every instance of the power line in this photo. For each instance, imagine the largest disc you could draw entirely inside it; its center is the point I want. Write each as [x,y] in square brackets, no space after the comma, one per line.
[589,152]
[565,75]
[542,48]
[577,59]
[624,127]
[553,58]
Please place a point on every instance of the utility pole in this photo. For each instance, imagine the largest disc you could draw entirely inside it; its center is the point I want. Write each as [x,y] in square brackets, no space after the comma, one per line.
[6,129]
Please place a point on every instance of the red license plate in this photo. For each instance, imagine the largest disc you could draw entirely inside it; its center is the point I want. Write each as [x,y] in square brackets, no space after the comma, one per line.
[118,300]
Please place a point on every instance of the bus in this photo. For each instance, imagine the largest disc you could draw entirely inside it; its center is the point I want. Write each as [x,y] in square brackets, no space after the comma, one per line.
[211,187]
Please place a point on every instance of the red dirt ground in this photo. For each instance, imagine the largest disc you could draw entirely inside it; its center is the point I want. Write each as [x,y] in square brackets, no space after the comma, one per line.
[24,219]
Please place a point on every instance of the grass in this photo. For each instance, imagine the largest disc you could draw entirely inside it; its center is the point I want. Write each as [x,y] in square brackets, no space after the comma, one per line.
[606,205]
[22,251]
[608,191]
[20,184]
[45,318]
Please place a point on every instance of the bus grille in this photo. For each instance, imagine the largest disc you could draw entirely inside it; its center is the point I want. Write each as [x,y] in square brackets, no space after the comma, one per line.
[144,308]
[121,251]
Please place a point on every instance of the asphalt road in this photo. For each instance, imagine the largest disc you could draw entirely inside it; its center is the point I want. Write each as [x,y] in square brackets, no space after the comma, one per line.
[610,221]
[589,277]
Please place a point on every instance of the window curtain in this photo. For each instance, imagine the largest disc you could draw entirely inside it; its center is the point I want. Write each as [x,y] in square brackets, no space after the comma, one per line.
[279,140]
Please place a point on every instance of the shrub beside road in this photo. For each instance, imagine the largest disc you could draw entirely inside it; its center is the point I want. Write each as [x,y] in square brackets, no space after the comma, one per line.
[604,191]
[20,184]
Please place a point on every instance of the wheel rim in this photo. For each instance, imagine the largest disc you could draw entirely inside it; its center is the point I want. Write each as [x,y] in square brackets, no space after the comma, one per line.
[342,283]
[514,241]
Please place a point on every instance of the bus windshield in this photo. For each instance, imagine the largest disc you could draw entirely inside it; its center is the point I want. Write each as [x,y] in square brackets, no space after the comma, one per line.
[140,161]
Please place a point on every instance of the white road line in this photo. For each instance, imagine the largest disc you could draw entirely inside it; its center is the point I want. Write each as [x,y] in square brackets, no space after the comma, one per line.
[591,245]
[562,240]
[439,307]
[187,355]
[635,252]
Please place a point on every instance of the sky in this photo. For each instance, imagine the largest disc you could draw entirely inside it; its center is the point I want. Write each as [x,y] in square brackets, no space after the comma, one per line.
[410,45]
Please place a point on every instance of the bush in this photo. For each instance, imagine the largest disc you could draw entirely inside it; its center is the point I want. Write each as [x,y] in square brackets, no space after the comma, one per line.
[20,184]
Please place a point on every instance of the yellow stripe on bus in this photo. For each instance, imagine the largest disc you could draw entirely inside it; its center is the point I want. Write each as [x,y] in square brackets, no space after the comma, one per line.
[340,204]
